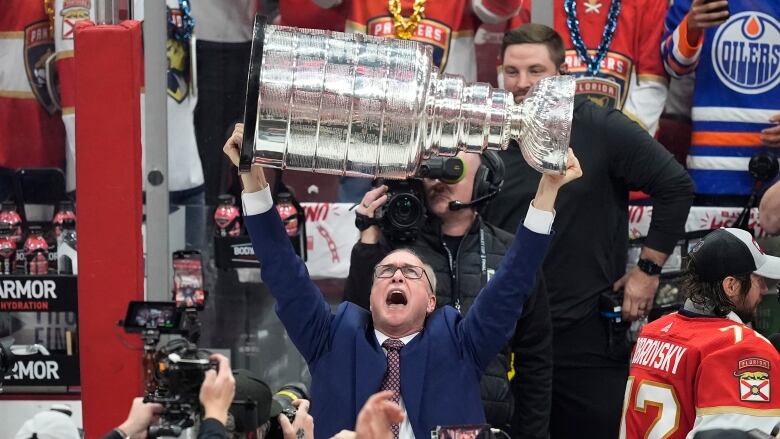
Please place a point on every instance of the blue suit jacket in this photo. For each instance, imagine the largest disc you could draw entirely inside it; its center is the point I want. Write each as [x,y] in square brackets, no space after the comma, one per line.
[440,368]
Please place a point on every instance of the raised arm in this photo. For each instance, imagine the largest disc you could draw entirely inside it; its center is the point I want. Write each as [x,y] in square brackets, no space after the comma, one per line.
[490,322]
[300,305]
[685,25]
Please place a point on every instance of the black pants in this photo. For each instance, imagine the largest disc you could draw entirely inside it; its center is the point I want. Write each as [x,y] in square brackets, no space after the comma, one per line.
[588,383]
[222,71]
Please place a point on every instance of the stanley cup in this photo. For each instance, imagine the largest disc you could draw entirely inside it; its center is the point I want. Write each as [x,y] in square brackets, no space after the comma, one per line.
[357,105]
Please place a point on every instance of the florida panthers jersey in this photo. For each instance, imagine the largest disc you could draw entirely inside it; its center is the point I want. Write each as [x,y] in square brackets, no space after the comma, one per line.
[447,27]
[31,131]
[184,167]
[631,77]
[697,373]
[737,72]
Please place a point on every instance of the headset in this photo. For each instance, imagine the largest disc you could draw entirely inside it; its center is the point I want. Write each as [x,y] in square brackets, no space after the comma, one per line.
[487,182]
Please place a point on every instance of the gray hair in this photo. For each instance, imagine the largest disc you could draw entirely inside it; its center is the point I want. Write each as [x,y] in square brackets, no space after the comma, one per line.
[426,267]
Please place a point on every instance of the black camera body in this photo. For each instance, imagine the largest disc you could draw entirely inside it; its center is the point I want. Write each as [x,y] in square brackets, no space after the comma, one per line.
[178,375]
[174,371]
[402,217]
[282,404]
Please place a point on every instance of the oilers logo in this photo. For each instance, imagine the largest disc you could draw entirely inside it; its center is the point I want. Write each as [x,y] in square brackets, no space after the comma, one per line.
[746,53]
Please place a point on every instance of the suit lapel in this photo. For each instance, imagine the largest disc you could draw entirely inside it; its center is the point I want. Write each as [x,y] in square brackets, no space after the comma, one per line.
[414,362]
[370,366]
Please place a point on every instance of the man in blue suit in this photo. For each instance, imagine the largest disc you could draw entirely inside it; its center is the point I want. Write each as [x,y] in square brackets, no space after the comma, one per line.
[432,359]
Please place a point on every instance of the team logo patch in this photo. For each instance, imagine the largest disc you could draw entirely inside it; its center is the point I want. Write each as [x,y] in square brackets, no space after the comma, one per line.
[73,11]
[753,375]
[432,33]
[746,52]
[38,47]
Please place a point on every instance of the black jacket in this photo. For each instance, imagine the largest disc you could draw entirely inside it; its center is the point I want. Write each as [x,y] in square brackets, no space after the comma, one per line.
[588,252]
[459,279]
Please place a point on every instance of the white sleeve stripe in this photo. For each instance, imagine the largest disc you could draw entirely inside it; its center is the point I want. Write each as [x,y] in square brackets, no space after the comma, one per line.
[763,422]
[678,56]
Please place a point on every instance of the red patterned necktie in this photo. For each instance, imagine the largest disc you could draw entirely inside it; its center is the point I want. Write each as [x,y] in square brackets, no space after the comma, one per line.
[392,379]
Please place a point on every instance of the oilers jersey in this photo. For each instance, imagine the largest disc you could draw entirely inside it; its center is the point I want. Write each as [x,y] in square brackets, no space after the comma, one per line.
[737,72]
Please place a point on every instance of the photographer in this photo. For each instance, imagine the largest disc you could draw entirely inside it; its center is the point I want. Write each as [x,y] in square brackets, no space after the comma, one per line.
[464,251]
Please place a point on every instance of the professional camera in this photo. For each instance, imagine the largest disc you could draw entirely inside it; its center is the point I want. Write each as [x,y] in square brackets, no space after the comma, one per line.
[404,213]
[174,372]
[179,372]
[282,403]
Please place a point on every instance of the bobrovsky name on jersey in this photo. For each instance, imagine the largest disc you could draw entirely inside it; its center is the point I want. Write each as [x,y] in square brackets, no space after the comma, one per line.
[746,52]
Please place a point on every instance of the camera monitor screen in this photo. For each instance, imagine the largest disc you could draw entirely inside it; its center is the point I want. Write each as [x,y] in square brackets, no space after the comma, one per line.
[161,316]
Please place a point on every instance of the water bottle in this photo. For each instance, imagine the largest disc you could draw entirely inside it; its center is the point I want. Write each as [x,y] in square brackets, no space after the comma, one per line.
[66,211]
[288,212]
[66,247]
[7,250]
[36,252]
[10,217]
[227,218]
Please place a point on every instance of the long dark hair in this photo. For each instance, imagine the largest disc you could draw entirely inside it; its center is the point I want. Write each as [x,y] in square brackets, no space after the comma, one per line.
[710,294]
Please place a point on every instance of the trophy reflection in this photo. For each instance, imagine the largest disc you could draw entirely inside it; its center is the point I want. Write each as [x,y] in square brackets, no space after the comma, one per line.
[363,106]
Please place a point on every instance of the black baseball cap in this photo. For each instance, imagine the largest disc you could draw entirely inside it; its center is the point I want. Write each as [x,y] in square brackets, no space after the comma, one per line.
[728,252]
[252,402]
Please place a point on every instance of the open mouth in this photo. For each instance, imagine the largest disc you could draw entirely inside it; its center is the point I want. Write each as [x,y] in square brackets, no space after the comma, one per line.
[396,297]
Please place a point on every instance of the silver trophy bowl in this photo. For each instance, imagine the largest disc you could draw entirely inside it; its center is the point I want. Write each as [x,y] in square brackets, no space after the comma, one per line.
[363,106]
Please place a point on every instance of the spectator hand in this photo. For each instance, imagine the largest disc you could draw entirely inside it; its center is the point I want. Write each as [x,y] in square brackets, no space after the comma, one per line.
[377,416]
[141,416]
[771,136]
[703,15]
[303,424]
[638,293]
[218,390]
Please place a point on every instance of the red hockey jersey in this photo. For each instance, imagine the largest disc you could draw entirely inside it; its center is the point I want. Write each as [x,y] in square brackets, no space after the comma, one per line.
[632,74]
[31,131]
[447,27]
[697,373]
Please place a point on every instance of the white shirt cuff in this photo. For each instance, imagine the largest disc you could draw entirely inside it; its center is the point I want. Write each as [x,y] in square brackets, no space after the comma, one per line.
[258,202]
[539,221]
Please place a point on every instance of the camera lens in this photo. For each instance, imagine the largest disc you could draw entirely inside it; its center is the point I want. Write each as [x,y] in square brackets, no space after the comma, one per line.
[405,211]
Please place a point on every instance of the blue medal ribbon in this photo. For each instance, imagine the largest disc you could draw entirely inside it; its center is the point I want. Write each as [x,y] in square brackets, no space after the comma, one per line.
[573,23]
[183,33]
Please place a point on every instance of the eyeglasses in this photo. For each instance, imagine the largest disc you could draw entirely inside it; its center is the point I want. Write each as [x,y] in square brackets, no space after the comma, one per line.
[408,271]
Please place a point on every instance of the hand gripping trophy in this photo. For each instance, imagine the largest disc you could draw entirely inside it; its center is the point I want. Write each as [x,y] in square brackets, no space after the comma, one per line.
[357,105]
